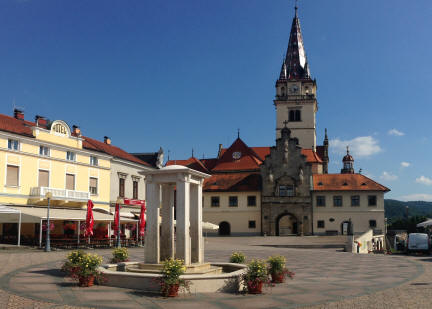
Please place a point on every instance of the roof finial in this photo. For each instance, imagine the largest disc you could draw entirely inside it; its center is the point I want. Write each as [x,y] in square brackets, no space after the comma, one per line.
[347,149]
[192,153]
[296,8]
[238,133]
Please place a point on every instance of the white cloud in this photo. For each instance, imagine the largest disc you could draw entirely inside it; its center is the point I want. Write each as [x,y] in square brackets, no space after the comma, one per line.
[405,164]
[388,176]
[395,132]
[424,180]
[417,197]
[362,146]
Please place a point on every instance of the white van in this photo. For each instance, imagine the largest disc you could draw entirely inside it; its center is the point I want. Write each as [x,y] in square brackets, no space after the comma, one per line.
[417,242]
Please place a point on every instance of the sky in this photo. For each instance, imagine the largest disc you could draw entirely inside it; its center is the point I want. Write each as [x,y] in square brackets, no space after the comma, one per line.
[187,74]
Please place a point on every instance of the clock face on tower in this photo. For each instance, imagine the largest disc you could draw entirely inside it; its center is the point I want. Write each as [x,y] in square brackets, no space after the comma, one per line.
[236,155]
[294,89]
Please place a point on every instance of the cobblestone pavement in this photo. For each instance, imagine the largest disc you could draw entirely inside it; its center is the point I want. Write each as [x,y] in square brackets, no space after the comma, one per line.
[325,278]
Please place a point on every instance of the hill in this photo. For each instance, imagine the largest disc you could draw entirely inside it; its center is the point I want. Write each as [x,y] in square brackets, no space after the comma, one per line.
[395,209]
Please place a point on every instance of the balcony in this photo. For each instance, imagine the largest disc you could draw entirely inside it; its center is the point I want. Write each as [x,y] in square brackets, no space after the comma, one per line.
[295,97]
[60,194]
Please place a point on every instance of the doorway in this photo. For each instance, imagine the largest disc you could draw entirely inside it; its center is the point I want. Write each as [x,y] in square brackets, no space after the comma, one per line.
[224,228]
[287,225]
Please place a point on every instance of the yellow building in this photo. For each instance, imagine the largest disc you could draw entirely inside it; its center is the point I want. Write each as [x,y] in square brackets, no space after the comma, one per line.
[40,157]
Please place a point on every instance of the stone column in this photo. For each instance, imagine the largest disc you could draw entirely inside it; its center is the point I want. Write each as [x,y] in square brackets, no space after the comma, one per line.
[151,246]
[182,219]
[197,249]
[167,226]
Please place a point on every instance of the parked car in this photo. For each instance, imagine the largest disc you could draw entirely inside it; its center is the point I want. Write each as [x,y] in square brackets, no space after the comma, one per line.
[418,242]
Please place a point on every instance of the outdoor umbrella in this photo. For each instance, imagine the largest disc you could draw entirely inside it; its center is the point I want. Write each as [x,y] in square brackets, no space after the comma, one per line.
[142,221]
[117,220]
[89,220]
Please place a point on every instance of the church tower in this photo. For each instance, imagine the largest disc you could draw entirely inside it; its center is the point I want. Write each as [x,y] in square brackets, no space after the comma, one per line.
[295,101]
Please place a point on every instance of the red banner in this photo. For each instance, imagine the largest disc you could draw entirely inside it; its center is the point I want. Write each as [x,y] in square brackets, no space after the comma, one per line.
[142,221]
[116,218]
[129,201]
[89,220]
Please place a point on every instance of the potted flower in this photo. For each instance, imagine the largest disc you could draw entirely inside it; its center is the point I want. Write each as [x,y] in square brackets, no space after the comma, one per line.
[72,266]
[277,269]
[237,257]
[120,255]
[170,281]
[88,269]
[256,275]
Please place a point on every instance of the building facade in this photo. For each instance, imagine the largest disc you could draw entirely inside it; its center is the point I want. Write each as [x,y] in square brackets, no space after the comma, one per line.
[44,159]
[297,195]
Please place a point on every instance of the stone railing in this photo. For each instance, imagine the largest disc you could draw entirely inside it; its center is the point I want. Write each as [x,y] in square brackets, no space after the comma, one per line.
[59,194]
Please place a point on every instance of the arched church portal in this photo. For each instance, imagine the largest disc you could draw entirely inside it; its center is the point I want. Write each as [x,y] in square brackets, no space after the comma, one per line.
[224,228]
[286,224]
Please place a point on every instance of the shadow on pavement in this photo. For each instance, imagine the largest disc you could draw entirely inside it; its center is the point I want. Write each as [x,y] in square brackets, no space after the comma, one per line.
[54,272]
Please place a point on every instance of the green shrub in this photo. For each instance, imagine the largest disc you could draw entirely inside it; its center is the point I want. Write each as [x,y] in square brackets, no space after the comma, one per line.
[237,257]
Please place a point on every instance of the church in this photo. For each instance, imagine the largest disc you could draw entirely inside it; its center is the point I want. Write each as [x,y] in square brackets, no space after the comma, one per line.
[286,189]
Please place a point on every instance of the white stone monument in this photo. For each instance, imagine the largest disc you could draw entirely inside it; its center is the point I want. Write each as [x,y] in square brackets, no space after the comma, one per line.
[160,187]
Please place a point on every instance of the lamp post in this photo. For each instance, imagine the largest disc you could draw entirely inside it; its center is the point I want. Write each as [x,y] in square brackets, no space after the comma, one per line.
[48,195]
[119,202]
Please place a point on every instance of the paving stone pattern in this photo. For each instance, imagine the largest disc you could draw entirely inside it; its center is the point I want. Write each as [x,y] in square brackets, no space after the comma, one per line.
[325,278]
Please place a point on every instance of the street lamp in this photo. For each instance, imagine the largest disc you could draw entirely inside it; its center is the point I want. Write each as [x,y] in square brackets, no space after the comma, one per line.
[48,195]
[119,202]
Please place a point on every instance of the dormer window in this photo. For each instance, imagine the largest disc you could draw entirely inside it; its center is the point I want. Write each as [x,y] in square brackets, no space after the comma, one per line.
[320,183]
[345,184]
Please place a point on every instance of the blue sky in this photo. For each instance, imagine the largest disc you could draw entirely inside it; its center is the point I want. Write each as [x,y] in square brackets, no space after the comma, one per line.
[187,74]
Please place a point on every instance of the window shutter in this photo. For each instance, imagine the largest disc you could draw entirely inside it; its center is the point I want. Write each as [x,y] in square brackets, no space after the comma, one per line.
[70,182]
[43,178]
[12,175]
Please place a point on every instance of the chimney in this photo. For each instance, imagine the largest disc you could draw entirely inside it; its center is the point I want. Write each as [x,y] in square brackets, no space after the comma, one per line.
[76,130]
[41,121]
[19,114]
[107,140]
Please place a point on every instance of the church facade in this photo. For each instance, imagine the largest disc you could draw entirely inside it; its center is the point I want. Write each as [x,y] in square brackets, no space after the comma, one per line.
[286,189]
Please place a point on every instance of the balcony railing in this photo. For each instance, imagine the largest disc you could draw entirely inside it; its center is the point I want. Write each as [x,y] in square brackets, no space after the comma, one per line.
[295,97]
[60,194]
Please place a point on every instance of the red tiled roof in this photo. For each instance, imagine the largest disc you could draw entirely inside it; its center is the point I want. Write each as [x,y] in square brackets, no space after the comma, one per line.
[248,160]
[233,182]
[345,182]
[311,156]
[112,150]
[13,125]
[192,163]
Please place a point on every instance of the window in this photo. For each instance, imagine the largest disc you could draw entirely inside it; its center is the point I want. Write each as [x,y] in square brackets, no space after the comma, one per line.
[135,189]
[12,178]
[70,182]
[43,178]
[337,201]
[70,156]
[215,201]
[286,190]
[251,200]
[294,115]
[372,200]
[13,144]
[44,151]
[233,201]
[372,223]
[320,224]
[93,186]
[93,161]
[355,200]
[320,201]
[252,224]
[121,187]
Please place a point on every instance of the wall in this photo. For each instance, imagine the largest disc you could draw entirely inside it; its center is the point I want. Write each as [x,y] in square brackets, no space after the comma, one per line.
[238,217]
[360,215]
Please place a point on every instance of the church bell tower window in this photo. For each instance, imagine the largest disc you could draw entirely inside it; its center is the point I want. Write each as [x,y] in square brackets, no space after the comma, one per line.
[294,115]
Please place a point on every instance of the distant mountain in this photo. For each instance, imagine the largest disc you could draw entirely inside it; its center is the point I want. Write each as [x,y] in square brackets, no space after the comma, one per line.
[395,209]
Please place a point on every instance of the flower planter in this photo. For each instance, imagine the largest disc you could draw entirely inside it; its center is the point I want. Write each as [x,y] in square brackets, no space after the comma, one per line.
[86,281]
[171,290]
[278,278]
[254,287]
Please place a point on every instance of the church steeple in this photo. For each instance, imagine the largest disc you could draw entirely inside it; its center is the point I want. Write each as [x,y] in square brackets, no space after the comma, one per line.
[295,63]
[296,91]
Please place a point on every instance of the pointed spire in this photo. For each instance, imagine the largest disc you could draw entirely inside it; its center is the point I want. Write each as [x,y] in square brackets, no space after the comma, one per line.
[295,64]
[192,152]
[238,133]
[325,137]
